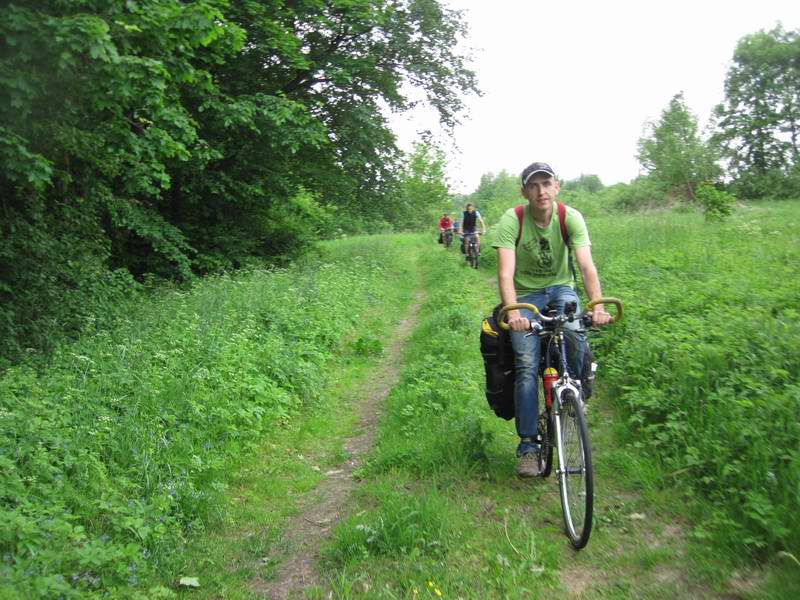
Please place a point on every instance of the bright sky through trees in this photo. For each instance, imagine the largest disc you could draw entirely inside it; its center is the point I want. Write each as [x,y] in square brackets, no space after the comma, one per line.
[573,83]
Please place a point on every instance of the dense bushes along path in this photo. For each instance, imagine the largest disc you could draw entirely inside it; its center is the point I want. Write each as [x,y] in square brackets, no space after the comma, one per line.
[126,444]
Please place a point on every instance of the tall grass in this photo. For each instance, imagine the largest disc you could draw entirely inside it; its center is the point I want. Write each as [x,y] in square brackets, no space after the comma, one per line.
[705,366]
[121,449]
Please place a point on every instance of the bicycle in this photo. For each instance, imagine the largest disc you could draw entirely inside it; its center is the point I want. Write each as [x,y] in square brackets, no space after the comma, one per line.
[562,418]
[471,240]
[448,238]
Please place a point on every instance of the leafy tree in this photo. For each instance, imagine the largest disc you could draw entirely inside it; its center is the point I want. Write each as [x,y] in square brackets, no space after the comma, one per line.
[90,124]
[425,192]
[171,138]
[586,183]
[674,155]
[641,193]
[758,124]
[496,193]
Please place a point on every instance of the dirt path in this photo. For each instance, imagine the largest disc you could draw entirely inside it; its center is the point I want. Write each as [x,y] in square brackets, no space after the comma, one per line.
[325,506]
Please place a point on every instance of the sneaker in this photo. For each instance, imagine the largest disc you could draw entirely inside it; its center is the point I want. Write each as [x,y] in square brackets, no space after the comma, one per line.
[528,465]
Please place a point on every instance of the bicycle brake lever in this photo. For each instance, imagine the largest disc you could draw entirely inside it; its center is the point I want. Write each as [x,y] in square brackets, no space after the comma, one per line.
[536,327]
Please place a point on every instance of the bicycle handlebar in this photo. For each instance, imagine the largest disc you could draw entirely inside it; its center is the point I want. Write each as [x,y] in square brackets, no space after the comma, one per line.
[501,316]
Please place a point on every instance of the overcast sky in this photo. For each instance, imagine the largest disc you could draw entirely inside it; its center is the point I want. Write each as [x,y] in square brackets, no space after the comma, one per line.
[572,82]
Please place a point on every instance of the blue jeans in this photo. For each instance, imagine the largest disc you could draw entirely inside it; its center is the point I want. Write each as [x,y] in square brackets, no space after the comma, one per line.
[527,353]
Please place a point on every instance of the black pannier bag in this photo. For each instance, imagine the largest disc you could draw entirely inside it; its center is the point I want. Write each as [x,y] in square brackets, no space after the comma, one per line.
[498,363]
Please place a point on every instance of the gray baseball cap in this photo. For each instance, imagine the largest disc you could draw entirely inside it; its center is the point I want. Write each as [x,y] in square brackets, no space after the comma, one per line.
[534,168]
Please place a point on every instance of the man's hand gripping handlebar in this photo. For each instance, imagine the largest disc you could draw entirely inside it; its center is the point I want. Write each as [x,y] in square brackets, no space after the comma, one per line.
[519,323]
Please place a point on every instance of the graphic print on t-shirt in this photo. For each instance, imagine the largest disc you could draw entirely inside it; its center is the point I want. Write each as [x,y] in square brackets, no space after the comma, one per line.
[543,265]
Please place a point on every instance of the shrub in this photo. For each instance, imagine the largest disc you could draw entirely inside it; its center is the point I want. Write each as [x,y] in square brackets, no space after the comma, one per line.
[705,365]
[117,452]
[717,204]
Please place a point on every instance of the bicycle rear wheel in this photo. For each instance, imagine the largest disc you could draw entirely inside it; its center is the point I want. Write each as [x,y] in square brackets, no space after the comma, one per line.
[547,432]
[575,473]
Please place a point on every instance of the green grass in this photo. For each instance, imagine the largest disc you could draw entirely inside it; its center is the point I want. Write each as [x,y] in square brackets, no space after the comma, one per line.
[440,444]
[441,508]
[181,443]
[706,376]
[123,449]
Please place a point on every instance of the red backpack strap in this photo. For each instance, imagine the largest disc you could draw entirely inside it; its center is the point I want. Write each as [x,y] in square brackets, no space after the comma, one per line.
[520,210]
[562,223]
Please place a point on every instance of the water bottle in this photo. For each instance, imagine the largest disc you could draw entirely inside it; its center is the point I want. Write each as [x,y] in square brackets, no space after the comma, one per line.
[550,377]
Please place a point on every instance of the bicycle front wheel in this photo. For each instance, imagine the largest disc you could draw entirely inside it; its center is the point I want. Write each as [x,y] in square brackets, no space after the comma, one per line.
[575,473]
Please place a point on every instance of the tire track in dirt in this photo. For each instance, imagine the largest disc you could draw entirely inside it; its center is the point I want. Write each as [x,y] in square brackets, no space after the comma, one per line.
[326,505]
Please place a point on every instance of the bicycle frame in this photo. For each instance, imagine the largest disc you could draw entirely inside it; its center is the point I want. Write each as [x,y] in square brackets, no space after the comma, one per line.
[563,385]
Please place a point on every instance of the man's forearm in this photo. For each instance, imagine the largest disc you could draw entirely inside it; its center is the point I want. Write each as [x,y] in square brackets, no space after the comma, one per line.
[508,293]
[591,282]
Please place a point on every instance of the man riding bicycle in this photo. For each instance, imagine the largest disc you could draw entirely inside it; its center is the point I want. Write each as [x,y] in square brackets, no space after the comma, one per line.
[533,267]
[467,224]
[445,223]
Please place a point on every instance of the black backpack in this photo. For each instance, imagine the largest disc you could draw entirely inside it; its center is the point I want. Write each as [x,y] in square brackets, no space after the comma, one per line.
[498,364]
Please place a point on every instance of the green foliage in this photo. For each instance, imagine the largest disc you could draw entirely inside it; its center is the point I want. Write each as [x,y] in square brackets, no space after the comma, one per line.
[496,193]
[405,525]
[424,190]
[123,448]
[706,363]
[168,139]
[674,155]
[590,204]
[641,193]
[367,345]
[717,204]
[586,183]
[758,124]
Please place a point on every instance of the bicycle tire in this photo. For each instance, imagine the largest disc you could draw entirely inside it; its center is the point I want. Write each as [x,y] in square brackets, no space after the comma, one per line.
[576,479]
[547,431]
[472,252]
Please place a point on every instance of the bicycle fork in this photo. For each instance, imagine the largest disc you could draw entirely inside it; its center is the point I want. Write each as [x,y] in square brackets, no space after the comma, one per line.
[562,390]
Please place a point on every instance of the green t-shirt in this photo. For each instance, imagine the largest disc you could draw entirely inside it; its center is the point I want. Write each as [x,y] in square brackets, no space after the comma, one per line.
[542,258]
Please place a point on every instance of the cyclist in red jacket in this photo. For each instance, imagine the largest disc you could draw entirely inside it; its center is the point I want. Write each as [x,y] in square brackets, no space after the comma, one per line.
[445,223]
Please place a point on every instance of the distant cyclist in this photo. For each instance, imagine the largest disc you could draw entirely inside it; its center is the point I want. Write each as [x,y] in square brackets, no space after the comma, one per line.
[533,268]
[445,223]
[467,225]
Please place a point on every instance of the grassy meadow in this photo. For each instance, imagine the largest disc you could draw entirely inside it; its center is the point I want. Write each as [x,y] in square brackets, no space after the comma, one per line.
[704,370]
[696,432]
[123,447]
[180,441]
